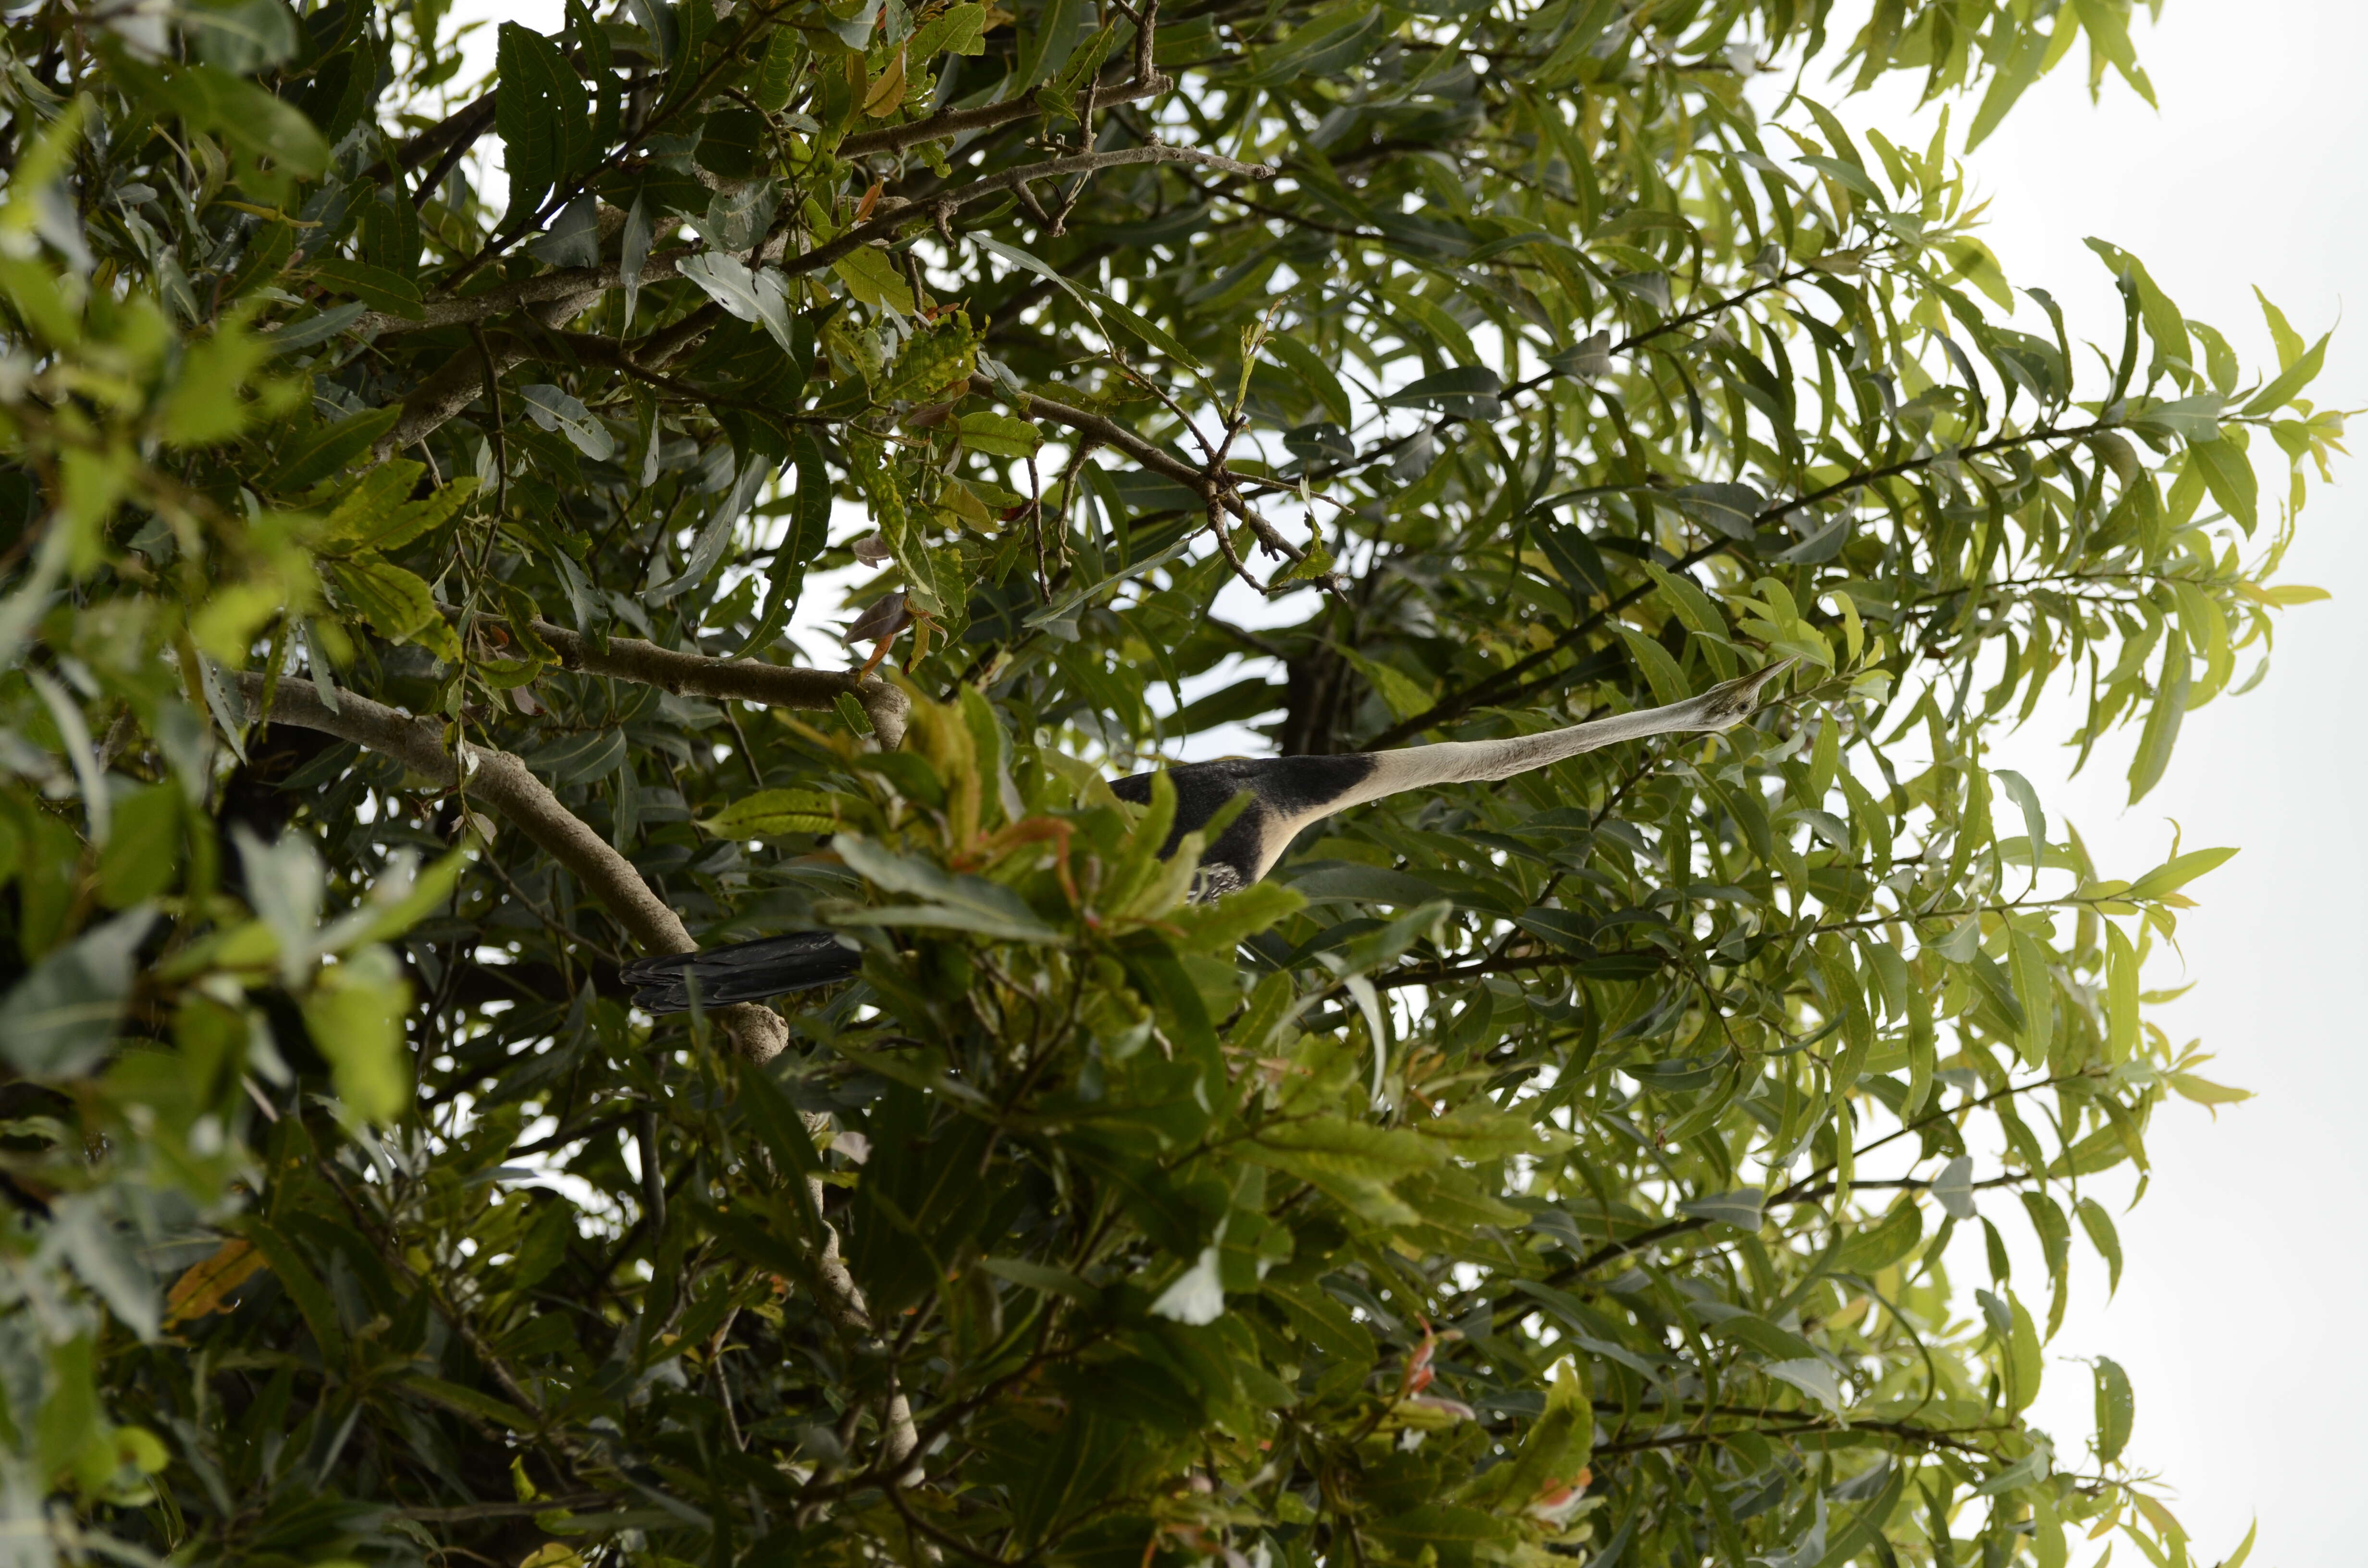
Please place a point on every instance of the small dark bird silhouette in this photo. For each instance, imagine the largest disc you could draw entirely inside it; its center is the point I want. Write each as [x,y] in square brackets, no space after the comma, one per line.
[1286,795]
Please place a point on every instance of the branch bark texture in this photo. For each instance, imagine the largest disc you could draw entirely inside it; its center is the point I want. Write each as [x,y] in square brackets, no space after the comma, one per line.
[501,780]
[743,681]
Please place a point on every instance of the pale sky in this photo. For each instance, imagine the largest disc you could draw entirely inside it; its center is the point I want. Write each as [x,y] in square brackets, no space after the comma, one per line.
[2239,1313]
[2232,1317]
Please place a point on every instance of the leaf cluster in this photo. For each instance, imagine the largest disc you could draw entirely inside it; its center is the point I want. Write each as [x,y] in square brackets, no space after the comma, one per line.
[1571,1167]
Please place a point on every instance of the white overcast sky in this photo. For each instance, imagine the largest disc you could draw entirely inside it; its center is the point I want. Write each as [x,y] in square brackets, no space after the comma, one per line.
[2241,1316]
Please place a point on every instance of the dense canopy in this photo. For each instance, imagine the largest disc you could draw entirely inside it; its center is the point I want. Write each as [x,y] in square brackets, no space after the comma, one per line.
[409,481]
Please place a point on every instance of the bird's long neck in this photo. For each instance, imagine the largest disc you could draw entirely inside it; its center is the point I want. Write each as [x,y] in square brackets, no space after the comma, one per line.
[1465,762]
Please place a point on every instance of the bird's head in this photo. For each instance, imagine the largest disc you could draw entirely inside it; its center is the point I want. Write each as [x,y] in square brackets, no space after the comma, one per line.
[1728,703]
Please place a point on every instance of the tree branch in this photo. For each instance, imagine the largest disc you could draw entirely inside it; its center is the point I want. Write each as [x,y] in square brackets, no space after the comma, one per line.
[742,680]
[1481,691]
[451,387]
[1448,975]
[1806,1190]
[1217,487]
[1507,681]
[947,202]
[503,781]
[462,126]
[947,123]
[550,288]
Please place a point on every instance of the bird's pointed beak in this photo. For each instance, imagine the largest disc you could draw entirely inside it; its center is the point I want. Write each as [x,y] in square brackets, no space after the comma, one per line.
[1750,684]
[1733,702]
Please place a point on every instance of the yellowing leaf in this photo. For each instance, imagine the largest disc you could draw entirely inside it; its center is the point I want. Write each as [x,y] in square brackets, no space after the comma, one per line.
[396,603]
[2204,1092]
[775,813]
[887,94]
[205,1286]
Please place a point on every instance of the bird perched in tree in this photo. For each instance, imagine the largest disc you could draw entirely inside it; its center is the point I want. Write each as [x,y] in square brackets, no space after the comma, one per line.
[1286,794]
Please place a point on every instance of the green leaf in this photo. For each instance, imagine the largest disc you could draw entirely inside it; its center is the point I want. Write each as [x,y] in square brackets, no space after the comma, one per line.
[1442,1532]
[543,116]
[58,1021]
[777,813]
[871,277]
[2108,26]
[468,1402]
[2204,1092]
[955,903]
[143,846]
[303,1287]
[760,296]
[398,901]
[999,435]
[382,291]
[326,448]
[2160,732]
[1318,377]
[2228,475]
[2178,871]
[1356,1164]
[580,758]
[2282,333]
[2116,1409]
[2299,372]
[1468,389]
[242,37]
[1886,1242]
[1037,1277]
[355,1014]
[2104,1238]
[1223,924]
[932,364]
[1741,1209]
[396,602]
[250,119]
[1812,1377]
[957,30]
[378,513]
[2024,1362]
[554,408]
[1151,336]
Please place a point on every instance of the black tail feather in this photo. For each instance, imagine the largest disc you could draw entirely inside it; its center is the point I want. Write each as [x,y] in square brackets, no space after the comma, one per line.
[744,971]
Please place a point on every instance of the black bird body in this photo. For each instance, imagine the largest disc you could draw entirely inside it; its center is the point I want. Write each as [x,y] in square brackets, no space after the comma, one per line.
[1286,794]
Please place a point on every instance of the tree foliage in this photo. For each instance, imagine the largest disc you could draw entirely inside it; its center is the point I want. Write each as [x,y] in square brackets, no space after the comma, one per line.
[1566,1167]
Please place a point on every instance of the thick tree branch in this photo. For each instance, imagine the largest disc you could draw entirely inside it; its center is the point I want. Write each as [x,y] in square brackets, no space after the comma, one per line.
[451,387]
[501,780]
[504,782]
[742,680]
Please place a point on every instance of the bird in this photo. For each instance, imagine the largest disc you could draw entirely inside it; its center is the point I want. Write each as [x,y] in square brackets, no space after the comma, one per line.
[1286,795]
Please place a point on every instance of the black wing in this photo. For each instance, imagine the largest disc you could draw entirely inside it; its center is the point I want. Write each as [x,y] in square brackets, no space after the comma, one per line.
[744,971]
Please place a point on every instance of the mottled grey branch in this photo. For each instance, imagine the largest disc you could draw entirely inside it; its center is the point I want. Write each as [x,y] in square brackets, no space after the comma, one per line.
[501,780]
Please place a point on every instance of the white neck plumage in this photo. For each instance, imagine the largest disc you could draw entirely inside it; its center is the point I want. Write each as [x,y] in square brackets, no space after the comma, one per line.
[1466,761]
